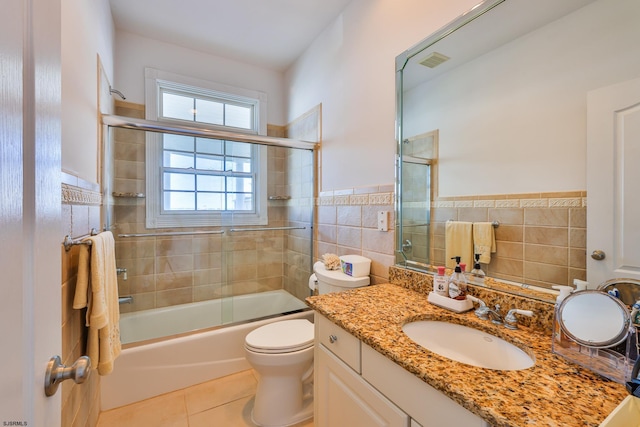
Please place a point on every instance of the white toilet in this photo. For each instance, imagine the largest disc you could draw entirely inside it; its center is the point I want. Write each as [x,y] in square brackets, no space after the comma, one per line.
[282,355]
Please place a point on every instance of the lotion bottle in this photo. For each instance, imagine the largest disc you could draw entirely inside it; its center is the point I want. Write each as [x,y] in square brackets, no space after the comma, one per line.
[440,283]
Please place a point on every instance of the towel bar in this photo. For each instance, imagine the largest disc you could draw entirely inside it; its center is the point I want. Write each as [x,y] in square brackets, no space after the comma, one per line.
[72,241]
[495,224]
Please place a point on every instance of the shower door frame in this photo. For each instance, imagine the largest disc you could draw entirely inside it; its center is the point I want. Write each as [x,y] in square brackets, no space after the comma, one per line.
[201,131]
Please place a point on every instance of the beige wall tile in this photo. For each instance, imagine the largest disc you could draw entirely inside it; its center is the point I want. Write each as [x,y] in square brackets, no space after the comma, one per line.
[512,250]
[509,233]
[552,217]
[546,273]
[546,254]
[327,215]
[558,236]
[349,216]
[182,279]
[174,263]
[473,214]
[578,237]
[349,236]
[507,216]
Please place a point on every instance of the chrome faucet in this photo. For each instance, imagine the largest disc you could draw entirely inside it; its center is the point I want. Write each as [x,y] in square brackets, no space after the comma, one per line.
[494,315]
[511,321]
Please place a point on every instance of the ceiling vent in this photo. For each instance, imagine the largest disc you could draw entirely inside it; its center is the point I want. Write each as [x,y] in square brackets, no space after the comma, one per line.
[434,59]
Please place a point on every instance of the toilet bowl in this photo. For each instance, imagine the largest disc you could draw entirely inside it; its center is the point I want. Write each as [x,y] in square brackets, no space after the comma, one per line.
[282,355]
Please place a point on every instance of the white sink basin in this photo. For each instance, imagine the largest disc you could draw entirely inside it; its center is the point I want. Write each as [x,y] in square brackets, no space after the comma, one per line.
[468,345]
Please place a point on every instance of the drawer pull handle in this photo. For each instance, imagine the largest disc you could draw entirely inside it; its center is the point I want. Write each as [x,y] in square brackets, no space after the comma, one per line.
[333,338]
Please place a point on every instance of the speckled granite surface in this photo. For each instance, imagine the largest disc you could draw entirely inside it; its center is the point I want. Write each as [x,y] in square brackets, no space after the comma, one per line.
[553,392]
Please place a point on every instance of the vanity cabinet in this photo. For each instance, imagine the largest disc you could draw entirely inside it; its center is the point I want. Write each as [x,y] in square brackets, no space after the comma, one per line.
[357,386]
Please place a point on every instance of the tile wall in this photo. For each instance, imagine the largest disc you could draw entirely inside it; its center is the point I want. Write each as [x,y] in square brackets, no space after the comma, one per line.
[80,212]
[347,224]
[541,239]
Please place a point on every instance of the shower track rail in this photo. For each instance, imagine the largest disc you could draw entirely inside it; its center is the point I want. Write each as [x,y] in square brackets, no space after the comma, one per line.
[172,233]
[203,131]
[189,233]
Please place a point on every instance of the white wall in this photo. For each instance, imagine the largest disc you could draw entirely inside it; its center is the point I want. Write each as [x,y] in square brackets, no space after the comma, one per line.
[514,120]
[350,69]
[87,31]
[134,53]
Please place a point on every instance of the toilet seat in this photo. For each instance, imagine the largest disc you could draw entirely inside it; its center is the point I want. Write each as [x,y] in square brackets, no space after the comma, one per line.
[286,336]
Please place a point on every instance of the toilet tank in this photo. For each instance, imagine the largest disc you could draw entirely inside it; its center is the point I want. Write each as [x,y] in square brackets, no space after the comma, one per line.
[337,280]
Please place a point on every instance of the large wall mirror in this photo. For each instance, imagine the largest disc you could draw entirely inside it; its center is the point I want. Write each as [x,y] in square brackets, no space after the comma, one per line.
[495,103]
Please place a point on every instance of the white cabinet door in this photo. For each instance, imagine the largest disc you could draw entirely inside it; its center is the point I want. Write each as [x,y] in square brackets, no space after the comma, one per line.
[344,399]
[613,177]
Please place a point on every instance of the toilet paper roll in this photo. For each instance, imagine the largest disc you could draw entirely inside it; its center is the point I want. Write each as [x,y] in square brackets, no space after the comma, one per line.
[313,282]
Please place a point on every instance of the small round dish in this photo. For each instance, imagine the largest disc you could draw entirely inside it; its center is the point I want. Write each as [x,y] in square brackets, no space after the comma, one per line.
[594,319]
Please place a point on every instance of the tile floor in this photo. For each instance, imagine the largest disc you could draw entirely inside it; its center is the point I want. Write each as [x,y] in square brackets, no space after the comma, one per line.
[225,402]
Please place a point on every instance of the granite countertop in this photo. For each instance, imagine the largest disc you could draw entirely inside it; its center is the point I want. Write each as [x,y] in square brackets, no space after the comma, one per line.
[554,392]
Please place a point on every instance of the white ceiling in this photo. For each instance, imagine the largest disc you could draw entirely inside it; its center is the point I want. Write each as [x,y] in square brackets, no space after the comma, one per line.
[268,33]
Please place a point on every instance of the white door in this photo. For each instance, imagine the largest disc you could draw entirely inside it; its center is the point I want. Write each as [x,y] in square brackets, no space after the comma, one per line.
[613,182]
[30,288]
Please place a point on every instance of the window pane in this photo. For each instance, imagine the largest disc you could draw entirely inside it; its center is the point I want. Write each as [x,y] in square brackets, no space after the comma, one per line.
[210,183]
[235,184]
[240,149]
[210,201]
[179,181]
[236,164]
[209,112]
[177,142]
[178,201]
[172,159]
[177,106]
[209,146]
[239,202]
[236,116]
[213,163]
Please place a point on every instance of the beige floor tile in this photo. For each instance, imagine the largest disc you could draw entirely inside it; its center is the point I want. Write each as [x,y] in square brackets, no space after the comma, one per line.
[220,391]
[168,410]
[236,414]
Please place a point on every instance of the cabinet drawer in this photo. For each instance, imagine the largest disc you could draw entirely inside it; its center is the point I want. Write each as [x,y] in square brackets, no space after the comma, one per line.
[426,405]
[338,341]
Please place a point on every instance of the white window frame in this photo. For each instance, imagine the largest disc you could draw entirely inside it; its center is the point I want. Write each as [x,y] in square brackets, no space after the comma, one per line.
[155,80]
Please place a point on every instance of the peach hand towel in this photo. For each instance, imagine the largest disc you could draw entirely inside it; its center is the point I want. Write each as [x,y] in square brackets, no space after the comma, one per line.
[458,242]
[101,299]
[484,240]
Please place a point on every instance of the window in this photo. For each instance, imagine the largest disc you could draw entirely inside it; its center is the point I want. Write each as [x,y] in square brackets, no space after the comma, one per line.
[193,181]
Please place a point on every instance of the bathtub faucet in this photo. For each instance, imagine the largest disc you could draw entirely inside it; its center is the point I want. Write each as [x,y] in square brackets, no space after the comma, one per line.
[122,271]
[125,300]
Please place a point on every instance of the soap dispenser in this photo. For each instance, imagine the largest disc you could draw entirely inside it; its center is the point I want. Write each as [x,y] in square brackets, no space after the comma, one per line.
[477,274]
[457,282]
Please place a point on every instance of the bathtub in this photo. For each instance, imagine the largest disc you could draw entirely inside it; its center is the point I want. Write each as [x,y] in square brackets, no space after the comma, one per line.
[144,370]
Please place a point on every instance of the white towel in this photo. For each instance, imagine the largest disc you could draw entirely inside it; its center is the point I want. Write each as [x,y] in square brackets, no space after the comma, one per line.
[97,289]
[484,240]
[458,242]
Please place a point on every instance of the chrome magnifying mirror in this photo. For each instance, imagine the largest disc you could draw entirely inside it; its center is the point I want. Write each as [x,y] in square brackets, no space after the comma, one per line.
[594,318]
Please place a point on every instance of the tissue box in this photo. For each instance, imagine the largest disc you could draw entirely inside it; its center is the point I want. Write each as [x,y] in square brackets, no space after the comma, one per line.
[355,265]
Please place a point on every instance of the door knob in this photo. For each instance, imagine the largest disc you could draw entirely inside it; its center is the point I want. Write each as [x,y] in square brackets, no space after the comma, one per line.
[598,255]
[57,372]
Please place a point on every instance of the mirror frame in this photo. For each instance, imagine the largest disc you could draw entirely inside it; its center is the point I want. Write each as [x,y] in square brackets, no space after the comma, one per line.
[401,61]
